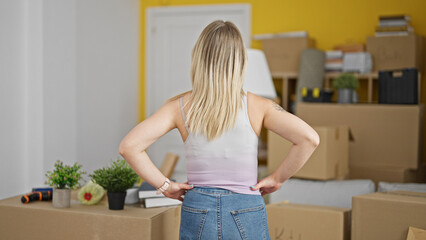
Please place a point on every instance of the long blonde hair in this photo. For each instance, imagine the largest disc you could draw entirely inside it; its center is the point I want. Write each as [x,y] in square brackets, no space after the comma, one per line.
[219,60]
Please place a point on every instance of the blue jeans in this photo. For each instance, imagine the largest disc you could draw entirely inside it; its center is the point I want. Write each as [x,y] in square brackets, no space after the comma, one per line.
[215,213]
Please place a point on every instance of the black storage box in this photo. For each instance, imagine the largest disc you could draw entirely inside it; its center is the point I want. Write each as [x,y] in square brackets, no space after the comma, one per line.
[398,87]
[316,95]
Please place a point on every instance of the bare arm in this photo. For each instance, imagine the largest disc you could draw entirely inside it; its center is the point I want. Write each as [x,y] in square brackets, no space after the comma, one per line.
[292,128]
[133,147]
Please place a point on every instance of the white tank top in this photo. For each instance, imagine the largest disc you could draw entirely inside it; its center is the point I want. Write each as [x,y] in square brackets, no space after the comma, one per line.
[229,161]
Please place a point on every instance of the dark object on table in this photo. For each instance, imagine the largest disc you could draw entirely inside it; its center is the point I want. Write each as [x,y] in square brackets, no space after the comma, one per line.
[37,196]
[398,87]
[316,95]
[42,189]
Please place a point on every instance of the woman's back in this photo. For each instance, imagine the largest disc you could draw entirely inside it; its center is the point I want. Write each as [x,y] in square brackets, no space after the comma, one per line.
[229,161]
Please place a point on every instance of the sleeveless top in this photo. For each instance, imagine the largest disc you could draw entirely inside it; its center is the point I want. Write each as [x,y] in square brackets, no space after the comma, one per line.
[229,161]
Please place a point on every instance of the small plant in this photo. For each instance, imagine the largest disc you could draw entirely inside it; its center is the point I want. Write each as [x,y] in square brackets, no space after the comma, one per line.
[117,178]
[65,176]
[345,80]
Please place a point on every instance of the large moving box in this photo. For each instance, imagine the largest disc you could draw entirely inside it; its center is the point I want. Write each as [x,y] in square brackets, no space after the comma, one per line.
[298,221]
[416,234]
[396,52]
[387,215]
[39,220]
[387,174]
[283,53]
[384,135]
[329,161]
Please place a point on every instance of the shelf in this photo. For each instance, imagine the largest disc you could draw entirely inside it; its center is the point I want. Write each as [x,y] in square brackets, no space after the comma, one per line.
[286,77]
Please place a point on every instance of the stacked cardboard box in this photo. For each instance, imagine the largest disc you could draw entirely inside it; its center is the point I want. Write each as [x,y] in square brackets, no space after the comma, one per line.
[387,138]
[283,50]
[329,161]
[39,220]
[387,215]
[397,52]
[297,221]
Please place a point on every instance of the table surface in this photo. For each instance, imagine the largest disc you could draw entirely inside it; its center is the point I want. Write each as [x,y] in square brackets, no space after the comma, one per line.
[134,210]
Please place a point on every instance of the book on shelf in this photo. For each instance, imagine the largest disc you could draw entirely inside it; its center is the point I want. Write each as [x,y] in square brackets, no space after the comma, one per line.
[333,54]
[394,28]
[395,17]
[394,20]
[281,35]
[387,34]
[394,25]
[334,66]
[160,202]
[336,60]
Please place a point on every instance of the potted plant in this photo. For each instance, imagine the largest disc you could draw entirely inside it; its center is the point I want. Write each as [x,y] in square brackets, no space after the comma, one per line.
[346,83]
[116,179]
[64,178]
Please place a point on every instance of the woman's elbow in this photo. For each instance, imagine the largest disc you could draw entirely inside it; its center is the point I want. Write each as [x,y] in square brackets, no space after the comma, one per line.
[125,149]
[314,139]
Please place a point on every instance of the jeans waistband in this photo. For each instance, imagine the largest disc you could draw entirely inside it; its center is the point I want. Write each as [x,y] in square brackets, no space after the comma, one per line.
[212,190]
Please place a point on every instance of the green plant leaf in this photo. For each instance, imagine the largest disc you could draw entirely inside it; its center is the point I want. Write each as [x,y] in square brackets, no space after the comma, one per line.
[345,80]
[118,177]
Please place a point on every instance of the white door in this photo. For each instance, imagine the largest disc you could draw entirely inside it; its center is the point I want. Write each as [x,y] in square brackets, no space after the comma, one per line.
[171,34]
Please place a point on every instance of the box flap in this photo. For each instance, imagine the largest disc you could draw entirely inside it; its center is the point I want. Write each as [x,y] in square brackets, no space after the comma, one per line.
[286,204]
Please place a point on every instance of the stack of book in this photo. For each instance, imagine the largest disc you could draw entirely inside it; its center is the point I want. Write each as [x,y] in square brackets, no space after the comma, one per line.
[149,197]
[333,61]
[294,34]
[394,25]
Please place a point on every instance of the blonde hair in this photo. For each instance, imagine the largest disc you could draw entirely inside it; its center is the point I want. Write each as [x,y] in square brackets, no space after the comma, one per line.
[219,60]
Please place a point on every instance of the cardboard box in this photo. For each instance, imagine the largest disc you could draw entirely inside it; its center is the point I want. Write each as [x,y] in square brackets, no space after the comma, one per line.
[387,215]
[283,53]
[397,52]
[329,161]
[387,174]
[416,234]
[39,220]
[384,135]
[297,221]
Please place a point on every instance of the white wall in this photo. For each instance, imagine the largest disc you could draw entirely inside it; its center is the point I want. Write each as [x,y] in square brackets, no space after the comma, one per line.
[69,85]
[12,104]
[107,77]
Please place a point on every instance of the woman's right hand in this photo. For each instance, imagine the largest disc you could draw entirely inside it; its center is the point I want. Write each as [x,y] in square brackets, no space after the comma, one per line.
[177,190]
[267,185]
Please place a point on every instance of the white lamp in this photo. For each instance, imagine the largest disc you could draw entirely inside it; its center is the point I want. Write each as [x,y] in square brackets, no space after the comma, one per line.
[257,77]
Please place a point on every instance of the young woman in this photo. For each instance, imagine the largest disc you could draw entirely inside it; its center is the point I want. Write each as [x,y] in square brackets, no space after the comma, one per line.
[220,123]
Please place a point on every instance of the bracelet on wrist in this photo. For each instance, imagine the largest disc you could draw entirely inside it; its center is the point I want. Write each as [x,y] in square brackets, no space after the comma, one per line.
[164,187]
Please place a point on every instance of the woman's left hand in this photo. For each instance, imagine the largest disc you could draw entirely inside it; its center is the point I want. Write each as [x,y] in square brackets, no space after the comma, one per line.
[177,190]
[267,185]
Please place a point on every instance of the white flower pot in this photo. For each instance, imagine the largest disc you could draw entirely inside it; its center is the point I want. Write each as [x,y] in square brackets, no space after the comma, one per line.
[61,198]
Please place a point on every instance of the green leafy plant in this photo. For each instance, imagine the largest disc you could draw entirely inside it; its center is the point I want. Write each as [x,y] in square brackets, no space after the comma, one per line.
[116,178]
[345,80]
[65,176]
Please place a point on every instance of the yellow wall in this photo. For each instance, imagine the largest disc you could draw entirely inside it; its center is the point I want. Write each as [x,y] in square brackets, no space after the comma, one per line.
[329,22]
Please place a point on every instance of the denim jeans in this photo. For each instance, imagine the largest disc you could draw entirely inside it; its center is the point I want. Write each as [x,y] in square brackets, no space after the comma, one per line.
[215,213]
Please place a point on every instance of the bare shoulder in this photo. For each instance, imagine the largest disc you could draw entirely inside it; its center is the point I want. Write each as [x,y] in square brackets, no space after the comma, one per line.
[256,99]
[262,103]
